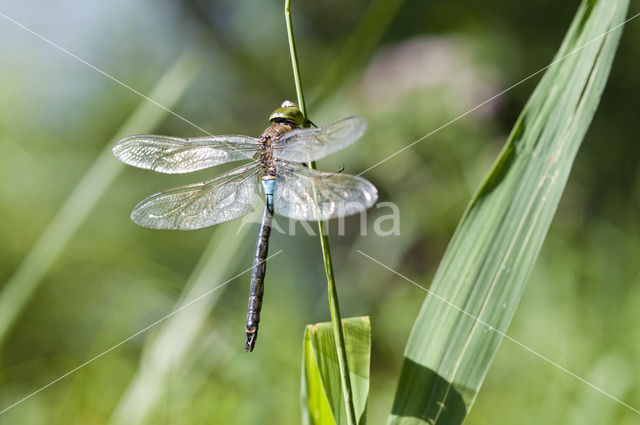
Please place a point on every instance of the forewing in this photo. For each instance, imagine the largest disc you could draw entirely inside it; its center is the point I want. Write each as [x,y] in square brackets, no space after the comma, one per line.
[305,194]
[310,144]
[195,206]
[174,155]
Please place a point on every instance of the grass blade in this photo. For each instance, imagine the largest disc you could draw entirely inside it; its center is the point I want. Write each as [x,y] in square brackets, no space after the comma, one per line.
[322,399]
[489,259]
[23,283]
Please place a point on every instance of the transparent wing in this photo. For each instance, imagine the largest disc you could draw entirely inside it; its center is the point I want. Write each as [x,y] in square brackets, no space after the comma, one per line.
[310,144]
[174,155]
[305,194]
[228,196]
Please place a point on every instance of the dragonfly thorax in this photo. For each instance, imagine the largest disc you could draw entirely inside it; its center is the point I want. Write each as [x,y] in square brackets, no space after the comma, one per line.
[269,137]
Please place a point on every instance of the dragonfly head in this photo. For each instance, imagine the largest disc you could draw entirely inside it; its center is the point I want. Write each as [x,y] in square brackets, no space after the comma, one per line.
[288,113]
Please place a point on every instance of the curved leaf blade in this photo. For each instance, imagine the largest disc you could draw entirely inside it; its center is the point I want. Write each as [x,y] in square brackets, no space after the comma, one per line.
[322,399]
[490,257]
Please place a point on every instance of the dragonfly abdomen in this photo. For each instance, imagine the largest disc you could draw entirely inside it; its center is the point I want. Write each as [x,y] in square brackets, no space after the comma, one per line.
[257,280]
[268,184]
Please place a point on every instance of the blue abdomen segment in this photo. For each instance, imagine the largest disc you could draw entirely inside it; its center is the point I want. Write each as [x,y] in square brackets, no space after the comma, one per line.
[268,184]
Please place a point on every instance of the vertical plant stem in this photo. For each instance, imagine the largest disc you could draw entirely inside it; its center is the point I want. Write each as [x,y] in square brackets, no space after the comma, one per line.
[334,304]
[294,58]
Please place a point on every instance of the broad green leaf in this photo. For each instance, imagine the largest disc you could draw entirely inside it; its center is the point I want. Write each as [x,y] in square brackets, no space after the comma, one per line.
[481,278]
[322,399]
[315,406]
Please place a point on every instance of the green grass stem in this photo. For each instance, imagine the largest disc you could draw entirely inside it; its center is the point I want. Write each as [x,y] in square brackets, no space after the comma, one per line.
[334,304]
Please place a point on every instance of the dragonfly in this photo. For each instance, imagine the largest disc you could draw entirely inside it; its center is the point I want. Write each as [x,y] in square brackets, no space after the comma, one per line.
[274,170]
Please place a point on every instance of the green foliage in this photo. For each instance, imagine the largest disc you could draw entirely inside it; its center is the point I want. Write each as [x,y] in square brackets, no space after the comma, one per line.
[18,290]
[322,399]
[481,278]
[109,279]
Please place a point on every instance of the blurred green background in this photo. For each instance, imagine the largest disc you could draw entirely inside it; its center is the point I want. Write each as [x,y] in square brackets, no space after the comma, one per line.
[408,68]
